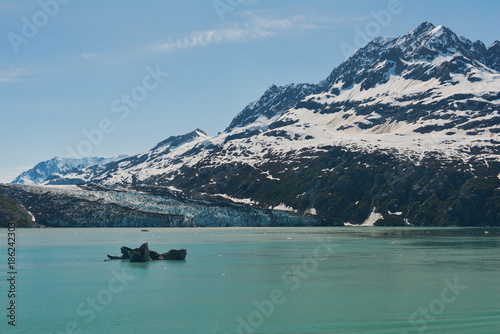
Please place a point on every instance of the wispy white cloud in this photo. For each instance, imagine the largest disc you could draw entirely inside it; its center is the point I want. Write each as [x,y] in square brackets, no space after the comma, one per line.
[13,75]
[253,26]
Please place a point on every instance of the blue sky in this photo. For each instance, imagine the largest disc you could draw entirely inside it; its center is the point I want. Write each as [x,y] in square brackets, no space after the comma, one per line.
[131,73]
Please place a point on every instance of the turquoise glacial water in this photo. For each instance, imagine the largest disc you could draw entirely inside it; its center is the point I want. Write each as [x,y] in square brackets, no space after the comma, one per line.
[256,280]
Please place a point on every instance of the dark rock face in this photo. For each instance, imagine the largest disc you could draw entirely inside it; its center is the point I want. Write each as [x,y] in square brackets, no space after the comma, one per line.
[144,254]
[13,212]
[275,101]
[155,255]
[125,252]
[140,254]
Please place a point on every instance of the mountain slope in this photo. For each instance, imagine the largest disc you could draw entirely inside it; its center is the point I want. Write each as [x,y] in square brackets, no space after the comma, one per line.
[13,212]
[274,102]
[493,56]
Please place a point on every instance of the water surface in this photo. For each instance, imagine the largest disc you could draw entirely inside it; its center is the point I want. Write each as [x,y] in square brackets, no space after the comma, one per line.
[257,280]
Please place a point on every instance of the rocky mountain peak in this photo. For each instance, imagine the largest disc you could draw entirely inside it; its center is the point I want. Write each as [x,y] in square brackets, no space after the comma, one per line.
[273,102]
[174,141]
[493,56]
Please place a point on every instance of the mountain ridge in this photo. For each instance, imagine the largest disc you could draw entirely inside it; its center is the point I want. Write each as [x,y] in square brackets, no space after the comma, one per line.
[57,166]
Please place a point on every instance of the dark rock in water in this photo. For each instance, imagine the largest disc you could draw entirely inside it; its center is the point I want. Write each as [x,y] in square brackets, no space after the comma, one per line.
[143,254]
[140,254]
[125,252]
[155,255]
[175,254]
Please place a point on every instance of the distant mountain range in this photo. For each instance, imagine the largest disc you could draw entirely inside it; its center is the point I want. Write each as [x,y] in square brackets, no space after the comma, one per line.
[404,132]
[53,169]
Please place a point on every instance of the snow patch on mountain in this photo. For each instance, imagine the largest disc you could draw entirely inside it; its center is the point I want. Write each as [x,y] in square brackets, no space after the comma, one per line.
[283,207]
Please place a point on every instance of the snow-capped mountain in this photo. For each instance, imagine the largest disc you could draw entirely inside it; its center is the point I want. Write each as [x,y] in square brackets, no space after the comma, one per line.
[405,131]
[166,158]
[53,169]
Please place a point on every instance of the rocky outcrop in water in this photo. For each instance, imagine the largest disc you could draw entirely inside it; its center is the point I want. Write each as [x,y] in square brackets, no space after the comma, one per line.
[125,252]
[140,254]
[175,254]
[144,254]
